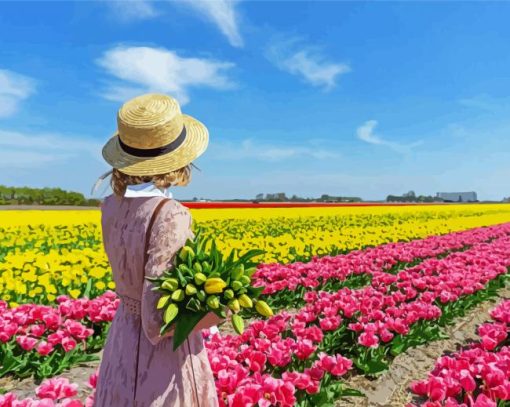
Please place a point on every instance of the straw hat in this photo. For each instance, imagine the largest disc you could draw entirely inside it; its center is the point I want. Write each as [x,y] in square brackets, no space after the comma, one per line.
[154,137]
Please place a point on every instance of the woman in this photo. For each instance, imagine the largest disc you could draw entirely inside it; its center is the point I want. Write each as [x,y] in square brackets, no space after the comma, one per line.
[143,229]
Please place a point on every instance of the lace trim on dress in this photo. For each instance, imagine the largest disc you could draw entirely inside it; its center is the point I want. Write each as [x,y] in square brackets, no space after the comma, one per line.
[132,305]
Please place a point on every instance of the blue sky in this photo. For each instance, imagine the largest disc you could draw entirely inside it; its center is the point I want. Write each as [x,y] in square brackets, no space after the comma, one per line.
[364,99]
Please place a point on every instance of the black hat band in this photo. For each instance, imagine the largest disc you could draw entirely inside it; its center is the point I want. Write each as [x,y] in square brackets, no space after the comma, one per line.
[154,152]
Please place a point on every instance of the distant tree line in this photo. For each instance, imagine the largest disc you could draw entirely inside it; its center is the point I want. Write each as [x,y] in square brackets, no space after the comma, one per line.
[412,197]
[420,198]
[43,196]
[282,197]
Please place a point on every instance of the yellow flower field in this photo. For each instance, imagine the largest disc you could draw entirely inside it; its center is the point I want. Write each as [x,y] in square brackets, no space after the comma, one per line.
[47,253]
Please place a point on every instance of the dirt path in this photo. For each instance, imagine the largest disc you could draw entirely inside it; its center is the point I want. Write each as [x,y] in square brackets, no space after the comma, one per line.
[391,388]
[46,208]
[78,374]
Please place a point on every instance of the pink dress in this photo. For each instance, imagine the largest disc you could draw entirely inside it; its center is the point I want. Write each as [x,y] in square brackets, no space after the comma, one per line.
[165,378]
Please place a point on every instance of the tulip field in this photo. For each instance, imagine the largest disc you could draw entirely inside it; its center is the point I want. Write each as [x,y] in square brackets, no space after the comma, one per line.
[351,288]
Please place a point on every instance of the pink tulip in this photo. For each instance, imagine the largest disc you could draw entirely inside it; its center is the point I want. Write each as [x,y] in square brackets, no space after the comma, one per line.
[437,389]
[71,403]
[44,348]
[37,330]
[492,335]
[419,387]
[304,349]
[467,381]
[256,361]
[56,389]
[89,401]
[68,344]
[330,323]
[483,401]
[77,330]
[7,399]
[301,381]
[52,320]
[336,365]
[276,392]
[92,382]
[368,340]
[26,342]
[7,331]
[56,338]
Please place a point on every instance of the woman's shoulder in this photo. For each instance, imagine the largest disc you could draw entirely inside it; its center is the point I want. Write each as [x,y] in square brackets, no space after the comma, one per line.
[174,215]
[143,206]
[175,207]
[107,202]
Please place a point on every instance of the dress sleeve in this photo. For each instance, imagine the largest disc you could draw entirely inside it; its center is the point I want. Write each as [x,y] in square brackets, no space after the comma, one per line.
[168,236]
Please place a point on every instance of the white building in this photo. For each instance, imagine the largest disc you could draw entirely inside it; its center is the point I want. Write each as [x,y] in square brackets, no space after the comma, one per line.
[457,196]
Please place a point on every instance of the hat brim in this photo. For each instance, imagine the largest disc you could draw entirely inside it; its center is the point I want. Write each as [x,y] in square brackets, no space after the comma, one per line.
[195,143]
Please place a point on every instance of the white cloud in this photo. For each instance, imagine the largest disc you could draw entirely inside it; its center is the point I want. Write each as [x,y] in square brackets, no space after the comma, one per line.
[14,88]
[26,150]
[146,69]
[130,10]
[306,63]
[248,149]
[366,133]
[222,13]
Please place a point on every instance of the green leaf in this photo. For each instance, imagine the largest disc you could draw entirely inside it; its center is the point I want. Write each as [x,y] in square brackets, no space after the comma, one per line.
[193,305]
[230,258]
[373,366]
[220,312]
[184,326]
[249,254]
[398,348]
[165,328]
[182,280]
[348,392]
[255,291]
[88,288]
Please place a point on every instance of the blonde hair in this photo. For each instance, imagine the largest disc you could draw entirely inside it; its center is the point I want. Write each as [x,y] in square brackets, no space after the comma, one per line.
[120,181]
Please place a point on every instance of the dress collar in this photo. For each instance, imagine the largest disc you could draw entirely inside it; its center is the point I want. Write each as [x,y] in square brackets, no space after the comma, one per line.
[146,190]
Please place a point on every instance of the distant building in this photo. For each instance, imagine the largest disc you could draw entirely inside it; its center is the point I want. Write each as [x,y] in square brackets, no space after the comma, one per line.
[259,197]
[457,196]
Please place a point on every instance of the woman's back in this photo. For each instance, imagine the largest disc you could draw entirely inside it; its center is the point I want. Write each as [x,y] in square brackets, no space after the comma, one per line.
[125,222]
[137,362]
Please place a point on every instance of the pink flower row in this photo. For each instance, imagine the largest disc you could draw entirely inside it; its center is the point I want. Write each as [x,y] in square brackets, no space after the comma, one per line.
[56,392]
[43,327]
[393,303]
[478,376]
[243,365]
[276,277]
[389,307]
[277,361]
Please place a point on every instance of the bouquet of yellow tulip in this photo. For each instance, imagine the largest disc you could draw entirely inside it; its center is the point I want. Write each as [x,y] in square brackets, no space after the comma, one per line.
[202,281]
